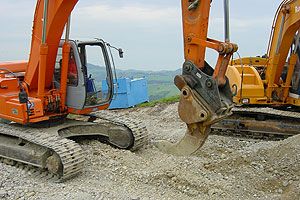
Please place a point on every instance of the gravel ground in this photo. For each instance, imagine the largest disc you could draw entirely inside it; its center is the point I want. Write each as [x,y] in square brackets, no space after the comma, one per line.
[224,168]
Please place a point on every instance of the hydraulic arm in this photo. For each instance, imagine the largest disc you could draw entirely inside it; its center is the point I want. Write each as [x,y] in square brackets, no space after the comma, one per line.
[205,95]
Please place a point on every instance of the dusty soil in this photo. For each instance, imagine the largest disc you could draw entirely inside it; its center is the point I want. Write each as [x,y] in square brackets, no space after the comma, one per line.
[224,168]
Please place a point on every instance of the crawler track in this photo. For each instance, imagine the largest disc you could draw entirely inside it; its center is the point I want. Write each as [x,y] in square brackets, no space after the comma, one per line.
[259,123]
[50,154]
[137,127]
[70,154]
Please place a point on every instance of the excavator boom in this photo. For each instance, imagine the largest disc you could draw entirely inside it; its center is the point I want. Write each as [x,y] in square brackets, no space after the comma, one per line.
[58,15]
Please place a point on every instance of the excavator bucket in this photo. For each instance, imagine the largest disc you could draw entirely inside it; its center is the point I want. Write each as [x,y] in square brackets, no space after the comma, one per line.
[194,138]
[202,103]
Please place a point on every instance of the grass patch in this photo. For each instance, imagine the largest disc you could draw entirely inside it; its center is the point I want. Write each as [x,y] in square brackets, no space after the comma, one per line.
[163,100]
[159,91]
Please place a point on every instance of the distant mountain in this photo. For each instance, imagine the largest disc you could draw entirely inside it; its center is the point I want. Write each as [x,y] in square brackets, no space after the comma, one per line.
[160,83]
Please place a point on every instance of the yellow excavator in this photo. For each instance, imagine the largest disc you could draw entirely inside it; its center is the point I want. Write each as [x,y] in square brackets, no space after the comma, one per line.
[37,95]
[266,88]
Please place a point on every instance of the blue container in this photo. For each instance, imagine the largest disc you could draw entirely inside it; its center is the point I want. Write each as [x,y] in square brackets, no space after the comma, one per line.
[129,92]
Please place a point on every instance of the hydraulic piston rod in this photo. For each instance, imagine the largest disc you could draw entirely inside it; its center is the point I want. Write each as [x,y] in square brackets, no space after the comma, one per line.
[226,20]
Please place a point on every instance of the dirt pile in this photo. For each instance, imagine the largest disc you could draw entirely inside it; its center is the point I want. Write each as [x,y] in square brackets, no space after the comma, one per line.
[224,168]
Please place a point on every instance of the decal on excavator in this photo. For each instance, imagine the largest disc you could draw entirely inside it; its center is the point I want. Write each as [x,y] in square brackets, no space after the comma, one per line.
[15,111]
[30,105]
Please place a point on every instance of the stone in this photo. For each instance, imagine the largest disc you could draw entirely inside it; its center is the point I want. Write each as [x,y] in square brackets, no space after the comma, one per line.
[3,193]
[214,192]
[284,184]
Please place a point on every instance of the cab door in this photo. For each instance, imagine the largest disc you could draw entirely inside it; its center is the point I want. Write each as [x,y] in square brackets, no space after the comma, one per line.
[96,71]
[89,66]
[76,90]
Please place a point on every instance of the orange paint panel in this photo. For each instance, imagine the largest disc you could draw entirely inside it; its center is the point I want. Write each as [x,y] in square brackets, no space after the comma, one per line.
[14,119]
[13,110]
[8,85]
[195,23]
[293,101]
[40,119]
[252,85]
[282,39]
[87,110]
[14,66]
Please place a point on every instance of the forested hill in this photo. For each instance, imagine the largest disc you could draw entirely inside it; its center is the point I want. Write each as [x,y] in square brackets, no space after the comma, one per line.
[160,83]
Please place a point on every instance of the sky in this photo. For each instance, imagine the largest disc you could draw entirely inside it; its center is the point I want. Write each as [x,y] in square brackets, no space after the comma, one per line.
[148,31]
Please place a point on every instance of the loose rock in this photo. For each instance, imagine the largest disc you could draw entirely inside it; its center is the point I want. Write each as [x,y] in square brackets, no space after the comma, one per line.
[224,168]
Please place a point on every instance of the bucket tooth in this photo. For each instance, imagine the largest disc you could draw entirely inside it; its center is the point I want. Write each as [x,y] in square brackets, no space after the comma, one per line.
[194,138]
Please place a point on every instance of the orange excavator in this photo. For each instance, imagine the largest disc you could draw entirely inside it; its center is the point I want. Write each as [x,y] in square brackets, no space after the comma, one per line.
[267,88]
[37,95]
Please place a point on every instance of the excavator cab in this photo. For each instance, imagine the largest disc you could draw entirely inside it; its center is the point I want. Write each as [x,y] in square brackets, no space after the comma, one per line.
[89,65]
